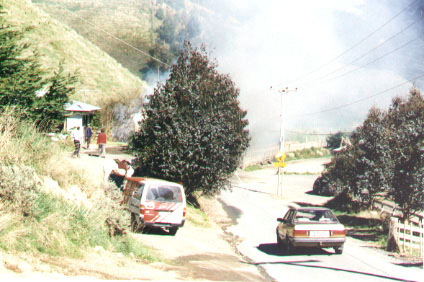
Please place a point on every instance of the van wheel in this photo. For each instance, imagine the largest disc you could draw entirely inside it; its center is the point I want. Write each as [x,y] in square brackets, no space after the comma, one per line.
[173,230]
[135,226]
[338,250]
[145,229]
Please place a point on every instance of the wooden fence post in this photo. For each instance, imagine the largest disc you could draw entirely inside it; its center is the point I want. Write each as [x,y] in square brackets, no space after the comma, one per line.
[393,238]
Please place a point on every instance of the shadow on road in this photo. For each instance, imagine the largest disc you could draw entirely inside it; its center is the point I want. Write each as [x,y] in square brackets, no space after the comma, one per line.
[155,231]
[274,250]
[306,263]
[410,264]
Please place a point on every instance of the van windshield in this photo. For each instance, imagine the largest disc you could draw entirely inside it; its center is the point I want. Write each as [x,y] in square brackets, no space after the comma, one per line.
[164,194]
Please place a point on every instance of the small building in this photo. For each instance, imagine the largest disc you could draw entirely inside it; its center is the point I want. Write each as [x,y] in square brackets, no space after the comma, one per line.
[78,114]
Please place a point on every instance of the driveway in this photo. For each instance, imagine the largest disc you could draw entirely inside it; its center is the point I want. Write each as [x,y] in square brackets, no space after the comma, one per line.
[254,207]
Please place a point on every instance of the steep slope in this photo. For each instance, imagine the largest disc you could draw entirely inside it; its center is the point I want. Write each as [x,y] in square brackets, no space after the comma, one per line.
[103,22]
[103,79]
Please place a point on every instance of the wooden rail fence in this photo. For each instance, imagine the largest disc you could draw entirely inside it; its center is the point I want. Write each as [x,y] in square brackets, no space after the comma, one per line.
[409,235]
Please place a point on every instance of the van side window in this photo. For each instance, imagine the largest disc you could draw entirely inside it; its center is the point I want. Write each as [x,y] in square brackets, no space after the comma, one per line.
[139,192]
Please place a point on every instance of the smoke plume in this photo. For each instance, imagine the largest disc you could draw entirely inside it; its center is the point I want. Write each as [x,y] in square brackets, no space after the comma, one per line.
[342,56]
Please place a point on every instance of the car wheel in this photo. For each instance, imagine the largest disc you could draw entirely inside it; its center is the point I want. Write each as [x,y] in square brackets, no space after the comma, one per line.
[279,241]
[172,230]
[338,250]
[288,247]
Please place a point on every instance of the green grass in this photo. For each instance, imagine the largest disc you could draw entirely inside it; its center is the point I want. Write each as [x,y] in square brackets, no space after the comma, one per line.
[197,217]
[131,246]
[253,167]
[56,42]
[364,227]
[311,153]
[36,220]
[128,20]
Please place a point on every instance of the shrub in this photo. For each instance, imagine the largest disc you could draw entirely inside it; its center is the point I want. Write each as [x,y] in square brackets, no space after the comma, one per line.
[193,131]
[18,188]
[32,219]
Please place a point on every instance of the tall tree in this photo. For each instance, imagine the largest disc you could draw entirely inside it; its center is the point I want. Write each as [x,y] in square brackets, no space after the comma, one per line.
[25,86]
[48,108]
[387,155]
[372,158]
[20,76]
[406,119]
[193,130]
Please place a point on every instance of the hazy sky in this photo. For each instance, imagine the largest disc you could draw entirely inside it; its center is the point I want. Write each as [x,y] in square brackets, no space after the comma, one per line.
[334,52]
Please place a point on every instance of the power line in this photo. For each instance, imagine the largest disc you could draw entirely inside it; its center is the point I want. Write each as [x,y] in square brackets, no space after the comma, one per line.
[375,48]
[360,100]
[113,36]
[301,77]
[377,59]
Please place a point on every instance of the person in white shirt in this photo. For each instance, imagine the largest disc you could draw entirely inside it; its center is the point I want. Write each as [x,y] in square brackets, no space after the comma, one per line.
[77,136]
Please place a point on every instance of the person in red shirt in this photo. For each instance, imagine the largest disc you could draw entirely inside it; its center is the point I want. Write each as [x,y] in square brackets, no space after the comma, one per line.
[101,141]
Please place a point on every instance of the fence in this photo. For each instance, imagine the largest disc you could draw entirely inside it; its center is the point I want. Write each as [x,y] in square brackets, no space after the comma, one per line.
[267,154]
[260,155]
[409,236]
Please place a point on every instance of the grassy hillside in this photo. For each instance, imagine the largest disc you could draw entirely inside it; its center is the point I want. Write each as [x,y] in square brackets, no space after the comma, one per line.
[102,22]
[131,30]
[103,79]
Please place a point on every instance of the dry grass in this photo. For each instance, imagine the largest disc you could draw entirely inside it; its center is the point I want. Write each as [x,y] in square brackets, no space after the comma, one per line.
[59,221]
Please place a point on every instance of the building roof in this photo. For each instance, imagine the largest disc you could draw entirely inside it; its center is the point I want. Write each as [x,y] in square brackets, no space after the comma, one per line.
[76,106]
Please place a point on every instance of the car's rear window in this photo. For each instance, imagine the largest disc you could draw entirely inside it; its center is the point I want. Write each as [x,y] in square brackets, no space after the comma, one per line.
[315,216]
[164,193]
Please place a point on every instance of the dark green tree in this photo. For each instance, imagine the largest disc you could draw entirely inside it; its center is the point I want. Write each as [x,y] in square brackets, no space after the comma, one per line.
[372,159]
[20,76]
[193,131]
[167,32]
[334,141]
[25,86]
[386,157]
[48,109]
[406,125]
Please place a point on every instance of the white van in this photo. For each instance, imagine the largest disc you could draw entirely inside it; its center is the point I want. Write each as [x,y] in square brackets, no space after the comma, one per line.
[155,203]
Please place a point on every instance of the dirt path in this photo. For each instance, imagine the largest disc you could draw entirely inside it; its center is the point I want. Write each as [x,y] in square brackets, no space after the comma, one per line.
[195,253]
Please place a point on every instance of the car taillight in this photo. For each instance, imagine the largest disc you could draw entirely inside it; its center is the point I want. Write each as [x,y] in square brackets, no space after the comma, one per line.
[142,209]
[300,233]
[184,211]
[336,233]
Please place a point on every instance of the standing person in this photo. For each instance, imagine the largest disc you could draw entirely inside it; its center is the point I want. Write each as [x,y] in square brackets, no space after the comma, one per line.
[77,136]
[88,134]
[101,141]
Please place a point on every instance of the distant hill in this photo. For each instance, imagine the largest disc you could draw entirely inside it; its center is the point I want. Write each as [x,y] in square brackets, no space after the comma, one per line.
[104,81]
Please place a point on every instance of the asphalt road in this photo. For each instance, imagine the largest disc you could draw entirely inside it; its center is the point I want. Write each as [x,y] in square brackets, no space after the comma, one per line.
[254,207]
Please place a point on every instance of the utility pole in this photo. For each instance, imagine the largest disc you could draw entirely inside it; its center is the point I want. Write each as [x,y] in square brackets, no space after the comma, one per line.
[282,141]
